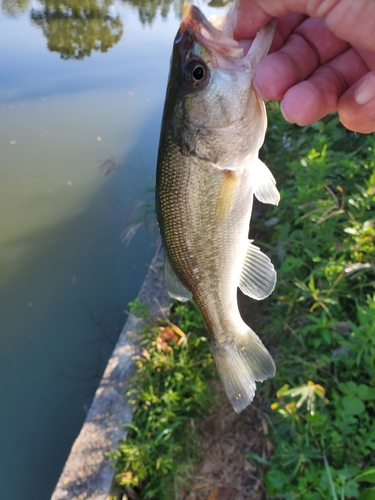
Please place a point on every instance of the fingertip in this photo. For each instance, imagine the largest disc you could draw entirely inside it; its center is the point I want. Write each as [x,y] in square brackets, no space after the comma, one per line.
[272,77]
[357,106]
[303,104]
[248,20]
[287,114]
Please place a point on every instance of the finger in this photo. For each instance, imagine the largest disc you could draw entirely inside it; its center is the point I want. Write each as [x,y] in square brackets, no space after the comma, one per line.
[357,105]
[251,15]
[309,46]
[314,98]
[285,26]
[353,21]
[249,18]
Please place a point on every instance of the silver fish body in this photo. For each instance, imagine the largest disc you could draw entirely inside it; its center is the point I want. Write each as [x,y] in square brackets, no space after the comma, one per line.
[208,172]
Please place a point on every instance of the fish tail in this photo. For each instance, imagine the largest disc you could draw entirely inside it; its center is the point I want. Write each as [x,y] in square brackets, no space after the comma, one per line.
[242,363]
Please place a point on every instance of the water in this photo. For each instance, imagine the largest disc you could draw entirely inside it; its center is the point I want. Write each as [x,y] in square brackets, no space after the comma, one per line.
[88,105]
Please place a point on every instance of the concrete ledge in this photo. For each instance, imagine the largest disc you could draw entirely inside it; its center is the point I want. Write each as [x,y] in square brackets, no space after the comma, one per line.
[87,473]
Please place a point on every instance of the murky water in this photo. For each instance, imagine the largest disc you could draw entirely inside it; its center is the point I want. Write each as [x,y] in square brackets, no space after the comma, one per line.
[79,126]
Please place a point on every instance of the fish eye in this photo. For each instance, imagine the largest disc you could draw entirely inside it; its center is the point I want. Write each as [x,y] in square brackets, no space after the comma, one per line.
[196,73]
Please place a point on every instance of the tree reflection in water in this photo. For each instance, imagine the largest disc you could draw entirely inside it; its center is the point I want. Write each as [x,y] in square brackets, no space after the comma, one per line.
[14,8]
[75,28]
[148,9]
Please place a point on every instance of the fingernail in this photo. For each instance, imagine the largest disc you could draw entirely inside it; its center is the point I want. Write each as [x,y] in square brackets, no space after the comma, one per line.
[285,114]
[366,91]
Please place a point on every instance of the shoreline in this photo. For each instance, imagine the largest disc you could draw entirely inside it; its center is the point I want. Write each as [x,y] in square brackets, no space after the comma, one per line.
[88,473]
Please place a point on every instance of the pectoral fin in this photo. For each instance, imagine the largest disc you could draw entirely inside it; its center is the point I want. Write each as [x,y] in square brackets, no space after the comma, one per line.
[258,277]
[174,287]
[264,183]
[225,200]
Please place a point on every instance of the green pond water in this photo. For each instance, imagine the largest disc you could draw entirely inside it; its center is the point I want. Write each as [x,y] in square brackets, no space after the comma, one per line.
[82,86]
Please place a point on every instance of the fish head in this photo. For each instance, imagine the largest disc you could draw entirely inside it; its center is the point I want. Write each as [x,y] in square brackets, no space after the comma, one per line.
[212,106]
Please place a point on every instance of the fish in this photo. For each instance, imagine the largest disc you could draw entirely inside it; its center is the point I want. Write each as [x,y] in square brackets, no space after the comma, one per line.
[208,172]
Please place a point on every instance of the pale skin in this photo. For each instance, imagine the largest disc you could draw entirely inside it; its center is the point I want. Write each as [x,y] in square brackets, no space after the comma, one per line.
[322,58]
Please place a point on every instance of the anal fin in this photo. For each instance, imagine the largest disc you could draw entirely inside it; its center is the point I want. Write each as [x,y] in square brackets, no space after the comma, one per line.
[258,276]
[174,287]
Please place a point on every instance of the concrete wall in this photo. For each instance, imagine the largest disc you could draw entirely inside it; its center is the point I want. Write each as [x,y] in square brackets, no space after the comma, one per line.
[87,473]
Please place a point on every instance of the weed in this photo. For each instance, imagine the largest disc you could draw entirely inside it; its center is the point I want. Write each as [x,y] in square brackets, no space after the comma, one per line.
[324,307]
[170,392]
[322,315]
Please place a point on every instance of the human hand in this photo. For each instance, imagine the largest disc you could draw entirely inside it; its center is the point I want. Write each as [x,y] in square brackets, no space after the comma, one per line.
[322,60]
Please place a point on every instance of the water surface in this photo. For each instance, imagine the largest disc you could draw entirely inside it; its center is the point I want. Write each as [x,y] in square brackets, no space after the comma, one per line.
[81,93]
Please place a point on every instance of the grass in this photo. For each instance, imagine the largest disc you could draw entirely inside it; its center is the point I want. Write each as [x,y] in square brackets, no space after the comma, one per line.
[170,392]
[322,321]
[323,311]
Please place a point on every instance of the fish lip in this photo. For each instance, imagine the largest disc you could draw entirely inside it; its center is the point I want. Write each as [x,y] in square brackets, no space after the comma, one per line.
[214,40]
[193,18]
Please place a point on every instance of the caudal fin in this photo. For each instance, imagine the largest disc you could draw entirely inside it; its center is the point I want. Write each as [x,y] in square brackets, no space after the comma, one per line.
[241,364]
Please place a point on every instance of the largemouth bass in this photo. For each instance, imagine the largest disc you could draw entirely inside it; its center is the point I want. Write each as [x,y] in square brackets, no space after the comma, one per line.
[208,171]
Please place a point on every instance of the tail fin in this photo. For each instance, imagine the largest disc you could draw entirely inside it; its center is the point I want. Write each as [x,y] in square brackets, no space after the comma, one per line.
[241,364]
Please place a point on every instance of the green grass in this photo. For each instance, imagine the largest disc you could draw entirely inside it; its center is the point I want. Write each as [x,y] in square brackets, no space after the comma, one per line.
[170,391]
[322,321]
[323,311]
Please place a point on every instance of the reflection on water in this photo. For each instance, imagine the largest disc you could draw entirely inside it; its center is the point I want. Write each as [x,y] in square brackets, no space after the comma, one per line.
[148,9]
[78,144]
[75,28]
[14,8]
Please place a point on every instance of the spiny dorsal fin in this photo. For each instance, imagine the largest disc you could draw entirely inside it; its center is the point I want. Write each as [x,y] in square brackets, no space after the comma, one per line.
[258,276]
[225,200]
[174,287]
[264,183]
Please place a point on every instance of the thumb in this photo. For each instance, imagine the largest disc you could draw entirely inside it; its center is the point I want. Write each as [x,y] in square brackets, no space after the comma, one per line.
[357,105]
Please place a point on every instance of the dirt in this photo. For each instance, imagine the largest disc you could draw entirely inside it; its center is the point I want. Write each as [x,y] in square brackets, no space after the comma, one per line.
[226,471]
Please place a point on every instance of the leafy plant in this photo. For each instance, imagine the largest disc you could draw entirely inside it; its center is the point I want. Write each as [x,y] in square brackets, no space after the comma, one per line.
[321,315]
[169,392]
[324,304]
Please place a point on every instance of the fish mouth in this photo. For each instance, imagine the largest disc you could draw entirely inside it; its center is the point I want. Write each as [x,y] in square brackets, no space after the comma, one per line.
[193,18]
[214,40]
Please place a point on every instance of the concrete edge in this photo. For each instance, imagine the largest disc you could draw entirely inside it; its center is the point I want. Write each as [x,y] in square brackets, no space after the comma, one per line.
[88,473]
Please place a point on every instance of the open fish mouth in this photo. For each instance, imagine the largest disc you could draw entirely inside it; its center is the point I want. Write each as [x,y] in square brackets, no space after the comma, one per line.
[218,43]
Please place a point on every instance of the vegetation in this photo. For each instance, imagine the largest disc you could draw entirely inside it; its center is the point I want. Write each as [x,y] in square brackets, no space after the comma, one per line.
[170,392]
[323,311]
[322,320]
